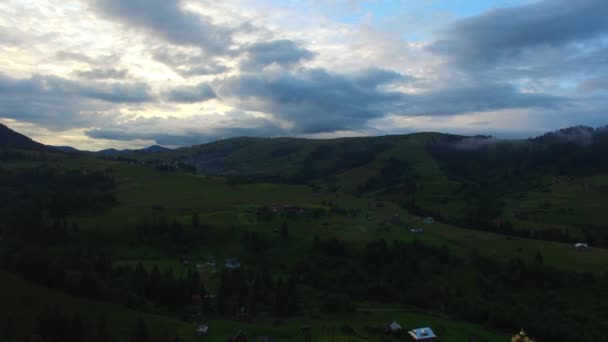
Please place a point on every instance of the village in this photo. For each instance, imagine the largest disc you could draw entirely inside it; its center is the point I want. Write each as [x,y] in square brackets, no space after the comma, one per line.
[392,330]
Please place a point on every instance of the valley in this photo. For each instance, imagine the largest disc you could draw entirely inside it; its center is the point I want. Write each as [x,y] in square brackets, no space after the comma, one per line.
[343,236]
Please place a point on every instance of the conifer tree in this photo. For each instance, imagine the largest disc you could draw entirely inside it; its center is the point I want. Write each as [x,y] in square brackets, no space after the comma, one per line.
[141,332]
[539,258]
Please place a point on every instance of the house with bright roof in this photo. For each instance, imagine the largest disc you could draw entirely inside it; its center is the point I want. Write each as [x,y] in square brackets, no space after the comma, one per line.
[423,334]
[521,337]
[202,330]
[233,263]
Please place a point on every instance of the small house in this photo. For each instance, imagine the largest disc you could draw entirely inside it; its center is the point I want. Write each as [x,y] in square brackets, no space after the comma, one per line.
[394,326]
[233,263]
[416,230]
[240,336]
[423,334]
[581,245]
[243,314]
[521,337]
[429,220]
[202,330]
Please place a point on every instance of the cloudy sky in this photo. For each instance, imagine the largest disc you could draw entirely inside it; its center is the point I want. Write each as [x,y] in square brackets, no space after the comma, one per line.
[130,73]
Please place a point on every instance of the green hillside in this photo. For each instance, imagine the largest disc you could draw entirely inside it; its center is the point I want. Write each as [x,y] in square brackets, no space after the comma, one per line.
[24,305]
[548,188]
[28,303]
[321,231]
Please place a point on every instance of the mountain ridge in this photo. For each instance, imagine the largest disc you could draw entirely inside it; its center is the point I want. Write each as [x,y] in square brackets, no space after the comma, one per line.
[11,138]
[149,149]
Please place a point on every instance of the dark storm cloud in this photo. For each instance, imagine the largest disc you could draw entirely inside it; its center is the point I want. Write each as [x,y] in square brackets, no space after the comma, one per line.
[281,52]
[187,65]
[209,68]
[476,98]
[256,56]
[199,93]
[374,77]
[64,88]
[59,103]
[556,63]
[188,131]
[547,46]
[315,100]
[169,21]
[103,73]
[509,32]
[117,92]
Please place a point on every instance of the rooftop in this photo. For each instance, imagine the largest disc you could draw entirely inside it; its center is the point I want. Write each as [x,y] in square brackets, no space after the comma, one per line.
[421,334]
[394,326]
[202,329]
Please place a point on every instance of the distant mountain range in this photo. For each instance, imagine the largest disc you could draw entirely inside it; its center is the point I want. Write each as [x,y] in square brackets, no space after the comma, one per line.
[297,159]
[112,152]
[150,149]
[67,149]
[10,138]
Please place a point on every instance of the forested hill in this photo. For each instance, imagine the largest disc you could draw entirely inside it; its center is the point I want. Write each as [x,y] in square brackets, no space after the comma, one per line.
[550,186]
[10,138]
[295,160]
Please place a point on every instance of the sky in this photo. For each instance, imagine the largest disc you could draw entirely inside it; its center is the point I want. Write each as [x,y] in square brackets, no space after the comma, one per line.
[95,74]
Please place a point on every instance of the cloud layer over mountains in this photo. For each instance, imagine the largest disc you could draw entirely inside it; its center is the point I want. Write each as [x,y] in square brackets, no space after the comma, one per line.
[186,72]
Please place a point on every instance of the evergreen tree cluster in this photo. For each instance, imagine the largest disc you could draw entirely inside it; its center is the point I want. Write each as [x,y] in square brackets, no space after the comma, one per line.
[473,288]
[254,291]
